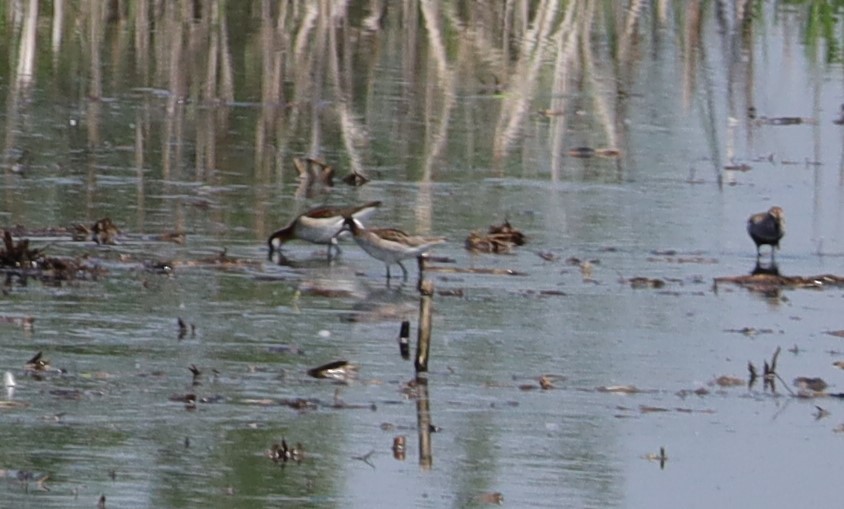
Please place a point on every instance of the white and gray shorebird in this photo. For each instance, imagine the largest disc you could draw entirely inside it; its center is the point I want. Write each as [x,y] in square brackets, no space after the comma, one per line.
[321,225]
[767,228]
[390,245]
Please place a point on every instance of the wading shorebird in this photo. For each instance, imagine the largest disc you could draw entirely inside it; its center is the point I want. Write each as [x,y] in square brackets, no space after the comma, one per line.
[389,245]
[767,228]
[321,225]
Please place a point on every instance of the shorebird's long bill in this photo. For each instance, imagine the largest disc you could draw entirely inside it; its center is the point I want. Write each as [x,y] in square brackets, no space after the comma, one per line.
[347,224]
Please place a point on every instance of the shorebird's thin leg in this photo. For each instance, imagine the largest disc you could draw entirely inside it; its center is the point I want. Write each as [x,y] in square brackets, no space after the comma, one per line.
[283,260]
[388,272]
[403,270]
[280,253]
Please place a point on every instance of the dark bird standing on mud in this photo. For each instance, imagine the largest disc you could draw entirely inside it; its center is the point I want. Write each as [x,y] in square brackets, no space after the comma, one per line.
[767,228]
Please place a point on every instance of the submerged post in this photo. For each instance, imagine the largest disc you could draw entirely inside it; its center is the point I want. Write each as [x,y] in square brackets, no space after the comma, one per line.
[420,264]
[404,340]
[423,344]
[423,423]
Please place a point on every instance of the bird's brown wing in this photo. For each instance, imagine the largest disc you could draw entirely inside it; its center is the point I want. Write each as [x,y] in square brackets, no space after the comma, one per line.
[391,234]
[401,237]
[324,212]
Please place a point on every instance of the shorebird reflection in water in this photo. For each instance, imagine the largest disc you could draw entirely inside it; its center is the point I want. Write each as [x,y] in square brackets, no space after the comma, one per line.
[389,245]
[771,269]
[321,225]
[767,228]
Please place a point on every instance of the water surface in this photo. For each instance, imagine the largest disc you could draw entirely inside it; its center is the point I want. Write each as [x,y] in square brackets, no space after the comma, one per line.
[170,118]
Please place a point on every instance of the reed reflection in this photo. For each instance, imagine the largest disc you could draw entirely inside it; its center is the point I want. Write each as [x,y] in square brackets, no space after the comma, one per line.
[423,423]
[318,67]
[323,70]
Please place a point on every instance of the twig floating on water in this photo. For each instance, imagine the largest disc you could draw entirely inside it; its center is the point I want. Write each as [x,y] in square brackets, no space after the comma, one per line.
[365,458]
[499,239]
[341,370]
[619,389]
[661,457]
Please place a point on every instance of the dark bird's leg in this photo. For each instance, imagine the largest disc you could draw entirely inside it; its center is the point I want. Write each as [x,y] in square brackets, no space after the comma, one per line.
[282,260]
[388,272]
[333,243]
[403,270]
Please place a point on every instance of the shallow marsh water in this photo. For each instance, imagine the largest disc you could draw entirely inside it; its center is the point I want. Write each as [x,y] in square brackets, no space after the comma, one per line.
[193,127]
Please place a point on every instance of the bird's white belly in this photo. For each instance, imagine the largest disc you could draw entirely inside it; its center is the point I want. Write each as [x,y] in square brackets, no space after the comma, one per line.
[319,231]
[387,251]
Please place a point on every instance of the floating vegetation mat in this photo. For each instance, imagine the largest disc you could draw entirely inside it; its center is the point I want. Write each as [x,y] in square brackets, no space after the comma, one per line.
[768,282]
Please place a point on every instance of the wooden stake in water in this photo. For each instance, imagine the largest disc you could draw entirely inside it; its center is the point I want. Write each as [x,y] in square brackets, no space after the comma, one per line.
[426,292]
[423,423]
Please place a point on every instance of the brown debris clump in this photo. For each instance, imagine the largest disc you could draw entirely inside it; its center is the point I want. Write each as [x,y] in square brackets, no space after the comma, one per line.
[220,260]
[17,259]
[814,384]
[315,170]
[37,363]
[491,498]
[282,453]
[104,231]
[645,282]
[588,152]
[728,381]
[498,239]
[18,255]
